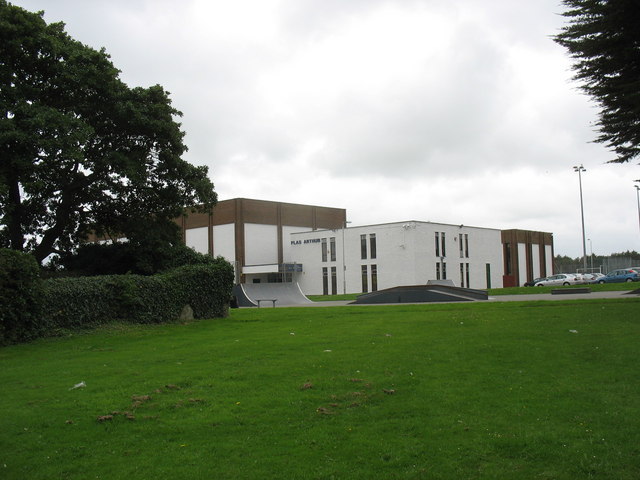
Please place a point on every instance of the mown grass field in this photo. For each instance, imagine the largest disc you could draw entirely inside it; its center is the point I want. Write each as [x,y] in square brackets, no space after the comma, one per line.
[538,390]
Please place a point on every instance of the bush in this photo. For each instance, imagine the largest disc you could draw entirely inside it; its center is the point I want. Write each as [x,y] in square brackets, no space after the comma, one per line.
[84,302]
[146,258]
[20,292]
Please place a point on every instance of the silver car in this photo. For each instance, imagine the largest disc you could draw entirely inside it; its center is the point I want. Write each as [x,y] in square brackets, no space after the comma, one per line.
[560,279]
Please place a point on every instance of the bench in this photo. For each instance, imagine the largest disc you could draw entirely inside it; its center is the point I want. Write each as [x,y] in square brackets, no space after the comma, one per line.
[560,291]
[272,300]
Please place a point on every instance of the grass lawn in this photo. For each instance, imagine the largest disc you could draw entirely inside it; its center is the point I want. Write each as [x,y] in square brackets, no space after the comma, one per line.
[513,390]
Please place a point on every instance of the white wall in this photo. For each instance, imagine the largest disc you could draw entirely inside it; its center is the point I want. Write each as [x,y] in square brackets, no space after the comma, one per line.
[224,242]
[198,239]
[548,253]
[260,244]
[405,255]
[535,260]
[286,241]
[522,263]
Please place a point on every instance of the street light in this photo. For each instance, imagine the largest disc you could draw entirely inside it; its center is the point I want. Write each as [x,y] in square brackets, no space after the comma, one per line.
[638,198]
[581,169]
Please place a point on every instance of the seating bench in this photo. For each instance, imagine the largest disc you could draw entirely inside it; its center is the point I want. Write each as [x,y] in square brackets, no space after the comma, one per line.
[272,300]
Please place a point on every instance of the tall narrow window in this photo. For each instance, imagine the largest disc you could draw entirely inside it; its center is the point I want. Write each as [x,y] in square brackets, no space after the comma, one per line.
[324,249]
[365,283]
[444,246]
[444,271]
[466,245]
[332,248]
[462,275]
[507,258]
[334,281]
[461,245]
[372,246]
[363,247]
[437,270]
[438,245]
[325,281]
[467,275]
[488,274]
[374,278]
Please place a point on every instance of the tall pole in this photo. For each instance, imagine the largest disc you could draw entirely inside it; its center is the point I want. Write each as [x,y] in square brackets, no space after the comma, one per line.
[638,198]
[581,169]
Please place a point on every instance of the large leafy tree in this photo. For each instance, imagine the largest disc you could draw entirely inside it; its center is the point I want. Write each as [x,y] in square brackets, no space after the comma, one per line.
[603,36]
[80,151]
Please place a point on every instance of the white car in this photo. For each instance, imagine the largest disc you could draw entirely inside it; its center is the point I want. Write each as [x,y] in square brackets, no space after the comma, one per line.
[560,279]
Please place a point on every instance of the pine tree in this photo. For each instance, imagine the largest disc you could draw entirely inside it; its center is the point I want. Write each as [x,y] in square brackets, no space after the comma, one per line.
[603,36]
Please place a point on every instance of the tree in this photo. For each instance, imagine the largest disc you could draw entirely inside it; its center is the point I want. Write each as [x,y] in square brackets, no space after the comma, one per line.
[81,151]
[604,38]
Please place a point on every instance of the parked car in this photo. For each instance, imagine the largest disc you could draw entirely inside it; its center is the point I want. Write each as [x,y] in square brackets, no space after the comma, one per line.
[590,277]
[620,275]
[534,281]
[560,279]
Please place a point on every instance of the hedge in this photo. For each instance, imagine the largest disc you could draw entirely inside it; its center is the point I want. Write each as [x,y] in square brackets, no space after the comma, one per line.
[84,302]
[20,293]
[31,307]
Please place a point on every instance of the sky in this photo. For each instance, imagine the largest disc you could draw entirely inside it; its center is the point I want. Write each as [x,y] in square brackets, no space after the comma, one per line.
[457,112]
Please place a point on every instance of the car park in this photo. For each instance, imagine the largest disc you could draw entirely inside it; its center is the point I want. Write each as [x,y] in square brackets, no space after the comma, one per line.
[619,276]
[560,279]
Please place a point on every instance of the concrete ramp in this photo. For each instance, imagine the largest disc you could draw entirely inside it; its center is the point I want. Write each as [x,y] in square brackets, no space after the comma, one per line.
[422,294]
[284,294]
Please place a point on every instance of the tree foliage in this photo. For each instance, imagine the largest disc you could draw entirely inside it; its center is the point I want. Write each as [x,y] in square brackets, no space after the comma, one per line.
[80,150]
[604,38]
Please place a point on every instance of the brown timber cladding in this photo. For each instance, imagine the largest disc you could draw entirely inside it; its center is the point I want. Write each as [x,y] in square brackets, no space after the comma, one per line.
[239,211]
[510,241]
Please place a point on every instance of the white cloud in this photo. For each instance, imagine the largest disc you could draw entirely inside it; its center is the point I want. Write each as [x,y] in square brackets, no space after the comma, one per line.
[457,112]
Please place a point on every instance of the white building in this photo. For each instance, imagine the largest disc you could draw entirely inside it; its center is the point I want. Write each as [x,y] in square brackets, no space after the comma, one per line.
[375,257]
[270,242]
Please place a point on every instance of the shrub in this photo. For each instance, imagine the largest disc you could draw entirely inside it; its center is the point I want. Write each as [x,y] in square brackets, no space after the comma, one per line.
[84,302]
[146,258]
[20,292]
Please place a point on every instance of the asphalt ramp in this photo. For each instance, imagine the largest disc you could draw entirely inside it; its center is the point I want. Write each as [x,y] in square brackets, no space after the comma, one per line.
[422,294]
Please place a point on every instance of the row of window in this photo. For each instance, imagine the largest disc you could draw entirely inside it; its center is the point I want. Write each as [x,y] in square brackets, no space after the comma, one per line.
[330,251]
[441,244]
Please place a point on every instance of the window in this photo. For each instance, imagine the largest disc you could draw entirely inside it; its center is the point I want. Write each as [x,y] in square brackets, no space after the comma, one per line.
[467,275]
[363,247]
[324,249]
[461,245]
[325,281]
[438,246]
[462,274]
[372,245]
[443,249]
[444,271]
[488,274]
[438,271]
[365,283]
[332,249]
[466,245]
[374,278]
[334,281]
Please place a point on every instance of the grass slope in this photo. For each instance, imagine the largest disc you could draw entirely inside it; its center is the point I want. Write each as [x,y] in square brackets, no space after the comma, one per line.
[544,390]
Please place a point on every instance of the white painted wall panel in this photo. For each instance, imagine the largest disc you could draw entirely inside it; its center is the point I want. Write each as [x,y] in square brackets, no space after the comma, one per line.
[522,264]
[261,244]
[198,239]
[535,259]
[224,242]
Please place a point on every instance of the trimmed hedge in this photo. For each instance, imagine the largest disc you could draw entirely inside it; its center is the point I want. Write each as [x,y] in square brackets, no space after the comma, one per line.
[20,293]
[31,307]
[85,302]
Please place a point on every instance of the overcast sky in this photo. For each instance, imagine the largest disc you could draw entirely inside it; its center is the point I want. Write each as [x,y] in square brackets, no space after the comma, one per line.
[452,111]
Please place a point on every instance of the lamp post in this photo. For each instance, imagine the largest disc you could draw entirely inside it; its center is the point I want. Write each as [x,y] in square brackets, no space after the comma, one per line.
[638,198]
[344,263]
[581,169]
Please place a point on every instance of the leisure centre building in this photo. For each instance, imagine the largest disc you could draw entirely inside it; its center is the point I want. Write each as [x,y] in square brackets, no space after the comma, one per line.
[270,242]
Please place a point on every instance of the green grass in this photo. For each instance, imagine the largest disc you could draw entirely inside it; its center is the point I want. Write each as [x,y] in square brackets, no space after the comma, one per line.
[538,390]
